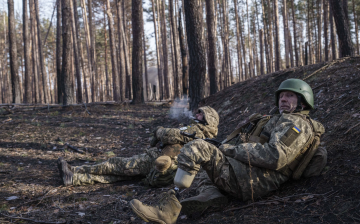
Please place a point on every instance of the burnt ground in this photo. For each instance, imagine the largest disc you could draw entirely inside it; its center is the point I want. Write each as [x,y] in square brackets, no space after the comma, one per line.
[32,138]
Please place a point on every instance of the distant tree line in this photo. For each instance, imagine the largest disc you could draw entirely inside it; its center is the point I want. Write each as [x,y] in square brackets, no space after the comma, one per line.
[97,50]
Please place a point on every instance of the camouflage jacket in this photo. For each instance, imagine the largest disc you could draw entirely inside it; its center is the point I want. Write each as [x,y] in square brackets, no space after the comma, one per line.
[208,129]
[288,134]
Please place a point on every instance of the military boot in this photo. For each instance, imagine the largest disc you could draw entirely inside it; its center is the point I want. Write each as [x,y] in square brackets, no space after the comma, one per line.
[165,211]
[65,173]
[198,204]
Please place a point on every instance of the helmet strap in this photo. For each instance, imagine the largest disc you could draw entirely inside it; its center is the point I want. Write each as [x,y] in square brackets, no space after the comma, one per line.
[299,106]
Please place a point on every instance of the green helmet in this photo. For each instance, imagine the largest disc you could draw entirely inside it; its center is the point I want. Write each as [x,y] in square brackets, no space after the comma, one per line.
[297,86]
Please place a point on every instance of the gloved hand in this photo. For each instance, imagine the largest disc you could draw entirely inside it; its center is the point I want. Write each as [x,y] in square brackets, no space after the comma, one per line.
[155,139]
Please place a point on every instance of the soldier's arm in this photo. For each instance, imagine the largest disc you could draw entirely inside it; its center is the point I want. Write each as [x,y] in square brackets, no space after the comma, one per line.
[170,136]
[284,144]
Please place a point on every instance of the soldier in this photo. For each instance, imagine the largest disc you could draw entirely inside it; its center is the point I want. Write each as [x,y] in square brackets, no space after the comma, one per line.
[158,165]
[278,147]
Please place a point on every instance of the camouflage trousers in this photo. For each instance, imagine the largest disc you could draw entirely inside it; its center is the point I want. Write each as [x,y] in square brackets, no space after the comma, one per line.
[116,169]
[230,175]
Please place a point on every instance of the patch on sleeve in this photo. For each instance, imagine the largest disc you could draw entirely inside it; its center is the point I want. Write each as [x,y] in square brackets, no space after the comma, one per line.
[290,136]
[183,128]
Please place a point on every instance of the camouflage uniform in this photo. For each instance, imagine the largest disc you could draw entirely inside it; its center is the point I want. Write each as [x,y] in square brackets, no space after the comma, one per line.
[122,168]
[228,167]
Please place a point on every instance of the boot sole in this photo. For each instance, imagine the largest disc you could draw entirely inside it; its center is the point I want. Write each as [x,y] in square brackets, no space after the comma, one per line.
[142,216]
[191,207]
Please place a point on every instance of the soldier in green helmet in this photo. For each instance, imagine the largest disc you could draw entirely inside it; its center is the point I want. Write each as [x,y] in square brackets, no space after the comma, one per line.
[157,164]
[278,147]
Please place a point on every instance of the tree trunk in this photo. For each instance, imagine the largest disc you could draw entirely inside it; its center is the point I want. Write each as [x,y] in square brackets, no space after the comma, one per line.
[197,55]
[295,34]
[356,27]
[58,51]
[177,81]
[87,38]
[319,14]
[184,59]
[42,64]
[28,92]
[262,66]
[81,51]
[159,69]
[114,67]
[309,31]
[107,95]
[165,52]
[342,29]
[251,63]
[243,49]
[122,72]
[147,93]
[76,55]
[94,76]
[286,37]
[270,37]
[332,34]
[68,93]
[137,27]
[212,69]
[326,16]
[14,67]
[238,46]
[226,67]
[277,38]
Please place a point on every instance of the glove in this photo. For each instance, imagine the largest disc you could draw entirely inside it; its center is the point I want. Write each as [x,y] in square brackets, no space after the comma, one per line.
[155,139]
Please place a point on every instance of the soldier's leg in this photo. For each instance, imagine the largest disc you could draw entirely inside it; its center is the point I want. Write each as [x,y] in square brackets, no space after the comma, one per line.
[115,169]
[200,153]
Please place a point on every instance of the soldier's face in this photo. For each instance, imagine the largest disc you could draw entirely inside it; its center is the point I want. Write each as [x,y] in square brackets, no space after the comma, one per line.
[287,101]
[199,116]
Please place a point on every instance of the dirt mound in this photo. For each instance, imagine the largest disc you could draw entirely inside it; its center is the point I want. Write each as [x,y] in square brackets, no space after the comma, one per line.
[336,87]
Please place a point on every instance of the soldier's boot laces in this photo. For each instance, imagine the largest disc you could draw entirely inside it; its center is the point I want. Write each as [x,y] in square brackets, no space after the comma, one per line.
[165,211]
[65,173]
[195,206]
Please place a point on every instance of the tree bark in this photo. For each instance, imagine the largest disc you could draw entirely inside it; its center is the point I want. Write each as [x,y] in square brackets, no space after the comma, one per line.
[212,69]
[76,55]
[342,29]
[332,34]
[286,37]
[309,32]
[145,67]
[94,75]
[197,55]
[238,46]
[277,38]
[226,67]
[137,26]
[270,37]
[58,51]
[14,67]
[68,93]
[41,57]
[165,52]
[114,67]
[184,59]
[356,27]
[326,25]
[295,33]
[27,57]
[319,14]
[262,64]
[177,81]
[122,49]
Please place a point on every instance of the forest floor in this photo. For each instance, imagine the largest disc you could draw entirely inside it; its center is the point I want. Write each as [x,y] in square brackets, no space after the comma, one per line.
[31,140]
